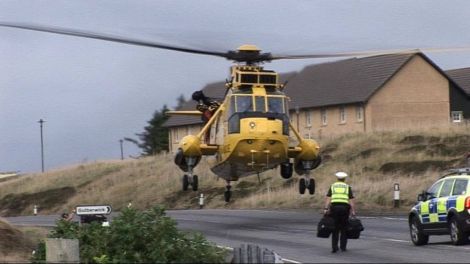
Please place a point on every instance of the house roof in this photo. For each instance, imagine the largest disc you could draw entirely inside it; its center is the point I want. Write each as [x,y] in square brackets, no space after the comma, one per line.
[461,77]
[342,82]
[214,90]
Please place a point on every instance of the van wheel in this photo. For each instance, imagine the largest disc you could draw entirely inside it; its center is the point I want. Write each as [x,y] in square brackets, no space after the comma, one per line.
[417,236]
[457,235]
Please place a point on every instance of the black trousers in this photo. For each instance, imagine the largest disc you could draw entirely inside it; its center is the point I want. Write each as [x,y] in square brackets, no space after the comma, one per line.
[340,213]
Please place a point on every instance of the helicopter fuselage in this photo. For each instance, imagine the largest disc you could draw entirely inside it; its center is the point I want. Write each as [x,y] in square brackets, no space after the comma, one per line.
[255,128]
[258,147]
[249,132]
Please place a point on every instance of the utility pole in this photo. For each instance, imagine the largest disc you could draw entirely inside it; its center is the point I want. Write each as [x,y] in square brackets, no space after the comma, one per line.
[41,122]
[122,151]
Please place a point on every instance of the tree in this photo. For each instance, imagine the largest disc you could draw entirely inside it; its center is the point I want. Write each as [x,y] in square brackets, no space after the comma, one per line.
[154,139]
[180,101]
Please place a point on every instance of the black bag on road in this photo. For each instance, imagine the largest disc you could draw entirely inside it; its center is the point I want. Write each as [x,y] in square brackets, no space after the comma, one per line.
[355,228]
[325,226]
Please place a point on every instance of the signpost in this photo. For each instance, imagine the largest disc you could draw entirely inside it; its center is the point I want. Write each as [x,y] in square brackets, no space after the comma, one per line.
[396,195]
[93,209]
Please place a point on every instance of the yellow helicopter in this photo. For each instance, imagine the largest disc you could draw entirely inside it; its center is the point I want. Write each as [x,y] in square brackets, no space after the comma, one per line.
[250,128]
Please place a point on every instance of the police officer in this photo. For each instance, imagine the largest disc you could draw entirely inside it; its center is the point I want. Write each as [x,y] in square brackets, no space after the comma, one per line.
[339,204]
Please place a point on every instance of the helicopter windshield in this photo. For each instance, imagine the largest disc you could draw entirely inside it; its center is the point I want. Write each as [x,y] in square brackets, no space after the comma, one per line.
[244,103]
[263,104]
[275,105]
[260,104]
[250,106]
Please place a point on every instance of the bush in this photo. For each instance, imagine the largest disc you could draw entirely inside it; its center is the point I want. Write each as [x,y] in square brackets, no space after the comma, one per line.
[137,237]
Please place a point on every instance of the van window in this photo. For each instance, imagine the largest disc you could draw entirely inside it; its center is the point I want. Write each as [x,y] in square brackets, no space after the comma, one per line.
[432,192]
[460,187]
[446,188]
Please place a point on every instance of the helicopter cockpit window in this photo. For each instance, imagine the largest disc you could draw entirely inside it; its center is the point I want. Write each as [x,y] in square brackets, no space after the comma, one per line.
[249,78]
[275,105]
[244,104]
[232,105]
[260,104]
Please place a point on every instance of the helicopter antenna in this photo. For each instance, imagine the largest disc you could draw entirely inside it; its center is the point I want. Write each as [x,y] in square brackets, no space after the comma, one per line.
[289,79]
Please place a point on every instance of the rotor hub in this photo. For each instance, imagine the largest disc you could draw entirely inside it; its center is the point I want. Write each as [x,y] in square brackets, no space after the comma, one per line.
[248,48]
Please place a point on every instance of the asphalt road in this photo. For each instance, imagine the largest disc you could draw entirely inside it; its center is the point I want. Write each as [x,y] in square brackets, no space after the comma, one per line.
[292,234]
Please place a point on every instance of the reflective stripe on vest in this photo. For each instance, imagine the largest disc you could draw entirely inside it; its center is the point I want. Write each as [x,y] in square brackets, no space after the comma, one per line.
[339,192]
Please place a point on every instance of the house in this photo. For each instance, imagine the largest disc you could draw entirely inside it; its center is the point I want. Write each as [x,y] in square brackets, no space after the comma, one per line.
[378,93]
[460,109]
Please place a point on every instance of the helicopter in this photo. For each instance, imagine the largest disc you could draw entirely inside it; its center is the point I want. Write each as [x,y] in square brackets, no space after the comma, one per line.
[250,128]
[249,131]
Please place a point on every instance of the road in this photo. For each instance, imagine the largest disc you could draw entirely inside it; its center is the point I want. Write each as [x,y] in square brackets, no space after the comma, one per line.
[292,234]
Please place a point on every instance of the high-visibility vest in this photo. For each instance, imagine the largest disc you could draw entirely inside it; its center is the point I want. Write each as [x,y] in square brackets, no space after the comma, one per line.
[340,192]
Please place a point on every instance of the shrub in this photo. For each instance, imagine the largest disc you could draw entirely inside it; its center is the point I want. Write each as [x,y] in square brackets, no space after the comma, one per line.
[137,237]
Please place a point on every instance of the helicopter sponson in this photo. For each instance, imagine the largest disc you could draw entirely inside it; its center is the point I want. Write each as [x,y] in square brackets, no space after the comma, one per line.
[309,158]
[189,153]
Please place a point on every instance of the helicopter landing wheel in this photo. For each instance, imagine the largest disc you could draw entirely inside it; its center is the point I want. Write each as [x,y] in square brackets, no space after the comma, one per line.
[227,196]
[185,182]
[195,183]
[302,186]
[286,170]
[311,186]
[228,193]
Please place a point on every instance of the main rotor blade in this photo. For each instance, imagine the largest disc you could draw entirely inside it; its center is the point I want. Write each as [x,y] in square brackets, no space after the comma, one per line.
[106,37]
[341,54]
[248,57]
[368,53]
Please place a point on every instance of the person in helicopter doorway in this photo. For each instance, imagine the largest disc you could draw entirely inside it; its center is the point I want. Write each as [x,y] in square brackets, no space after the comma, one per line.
[339,204]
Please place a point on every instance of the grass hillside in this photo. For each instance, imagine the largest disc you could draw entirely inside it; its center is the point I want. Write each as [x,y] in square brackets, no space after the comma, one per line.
[15,246]
[374,161]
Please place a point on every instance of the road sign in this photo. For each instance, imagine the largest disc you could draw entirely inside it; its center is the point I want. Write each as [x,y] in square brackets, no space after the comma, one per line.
[93,209]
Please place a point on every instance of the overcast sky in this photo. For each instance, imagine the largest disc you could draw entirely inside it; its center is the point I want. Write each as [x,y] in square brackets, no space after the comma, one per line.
[93,93]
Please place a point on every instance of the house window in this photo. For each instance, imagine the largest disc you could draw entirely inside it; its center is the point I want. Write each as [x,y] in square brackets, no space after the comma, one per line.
[359,113]
[324,120]
[308,118]
[457,116]
[342,115]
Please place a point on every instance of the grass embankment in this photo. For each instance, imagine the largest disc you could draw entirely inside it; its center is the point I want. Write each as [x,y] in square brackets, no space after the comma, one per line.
[374,161]
[15,245]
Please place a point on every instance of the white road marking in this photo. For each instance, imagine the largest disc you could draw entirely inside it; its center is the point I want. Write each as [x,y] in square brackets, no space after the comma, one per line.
[384,217]
[394,218]
[290,261]
[396,240]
